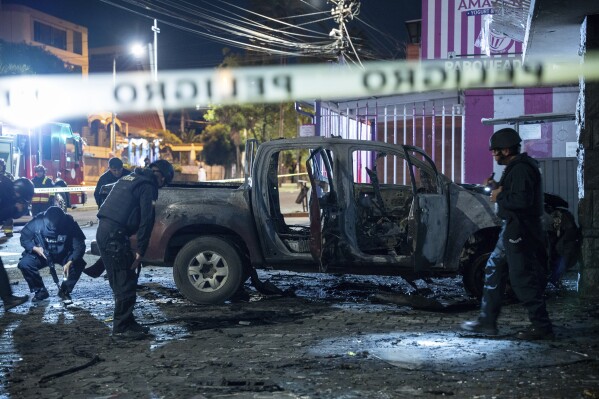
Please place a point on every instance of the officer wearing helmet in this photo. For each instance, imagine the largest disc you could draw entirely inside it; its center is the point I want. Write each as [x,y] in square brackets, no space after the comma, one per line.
[128,210]
[41,201]
[14,203]
[52,237]
[520,252]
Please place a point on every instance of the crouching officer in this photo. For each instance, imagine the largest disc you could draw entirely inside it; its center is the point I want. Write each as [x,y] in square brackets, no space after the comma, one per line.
[128,210]
[14,203]
[52,237]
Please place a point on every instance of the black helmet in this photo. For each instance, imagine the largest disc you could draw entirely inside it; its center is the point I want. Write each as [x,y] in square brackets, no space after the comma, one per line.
[24,188]
[115,163]
[39,168]
[165,168]
[504,138]
[53,217]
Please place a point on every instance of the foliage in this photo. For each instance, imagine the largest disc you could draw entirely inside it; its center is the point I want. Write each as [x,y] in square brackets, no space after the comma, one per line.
[190,136]
[218,147]
[167,136]
[23,59]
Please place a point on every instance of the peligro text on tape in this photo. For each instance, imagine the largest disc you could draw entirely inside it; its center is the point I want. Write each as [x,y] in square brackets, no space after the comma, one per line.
[64,189]
[35,96]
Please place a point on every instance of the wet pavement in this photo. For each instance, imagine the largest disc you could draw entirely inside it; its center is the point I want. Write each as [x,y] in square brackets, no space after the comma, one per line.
[332,337]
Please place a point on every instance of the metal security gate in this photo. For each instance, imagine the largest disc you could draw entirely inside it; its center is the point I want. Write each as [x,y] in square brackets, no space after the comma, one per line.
[436,125]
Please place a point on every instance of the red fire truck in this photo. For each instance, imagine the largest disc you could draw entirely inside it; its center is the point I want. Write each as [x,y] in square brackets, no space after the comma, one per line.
[53,145]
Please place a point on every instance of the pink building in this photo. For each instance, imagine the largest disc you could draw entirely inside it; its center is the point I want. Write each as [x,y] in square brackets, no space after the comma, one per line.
[462,31]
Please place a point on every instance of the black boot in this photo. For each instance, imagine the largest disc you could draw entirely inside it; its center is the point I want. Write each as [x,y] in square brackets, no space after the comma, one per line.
[13,301]
[63,293]
[40,295]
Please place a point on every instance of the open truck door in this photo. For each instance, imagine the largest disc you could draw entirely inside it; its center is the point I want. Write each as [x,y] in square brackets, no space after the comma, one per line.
[320,174]
[429,215]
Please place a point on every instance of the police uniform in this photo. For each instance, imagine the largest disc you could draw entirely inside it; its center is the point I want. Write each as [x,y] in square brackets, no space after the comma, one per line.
[7,225]
[41,201]
[7,211]
[520,252]
[128,210]
[107,178]
[62,243]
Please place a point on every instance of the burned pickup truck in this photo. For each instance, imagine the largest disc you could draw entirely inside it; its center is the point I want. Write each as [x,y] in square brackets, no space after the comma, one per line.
[369,208]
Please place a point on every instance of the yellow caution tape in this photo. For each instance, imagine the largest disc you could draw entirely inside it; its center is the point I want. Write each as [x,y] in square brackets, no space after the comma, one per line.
[24,97]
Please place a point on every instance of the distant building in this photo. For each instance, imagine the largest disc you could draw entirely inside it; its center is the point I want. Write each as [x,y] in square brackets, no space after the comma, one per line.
[66,40]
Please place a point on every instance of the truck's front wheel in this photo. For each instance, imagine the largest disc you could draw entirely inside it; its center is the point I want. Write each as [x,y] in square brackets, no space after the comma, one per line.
[208,270]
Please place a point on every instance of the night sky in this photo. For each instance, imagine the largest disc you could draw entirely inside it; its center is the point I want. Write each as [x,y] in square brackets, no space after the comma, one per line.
[109,25]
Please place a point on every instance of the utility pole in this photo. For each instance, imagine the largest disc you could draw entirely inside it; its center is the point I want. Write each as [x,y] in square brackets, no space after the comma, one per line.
[113,122]
[154,55]
[156,31]
[342,12]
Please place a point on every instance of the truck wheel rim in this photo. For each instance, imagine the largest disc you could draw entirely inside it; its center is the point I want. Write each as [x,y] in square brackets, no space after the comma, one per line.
[208,271]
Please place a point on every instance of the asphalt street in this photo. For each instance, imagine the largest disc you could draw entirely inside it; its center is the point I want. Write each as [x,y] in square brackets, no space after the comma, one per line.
[330,337]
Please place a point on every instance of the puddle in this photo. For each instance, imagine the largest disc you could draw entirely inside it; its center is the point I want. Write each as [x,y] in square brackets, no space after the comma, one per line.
[448,352]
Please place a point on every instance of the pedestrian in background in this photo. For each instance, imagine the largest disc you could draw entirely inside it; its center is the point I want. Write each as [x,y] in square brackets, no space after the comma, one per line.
[14,203]
[52,237]
[41,201]
[115,171]
[202,173]
[521,251]
[128,210]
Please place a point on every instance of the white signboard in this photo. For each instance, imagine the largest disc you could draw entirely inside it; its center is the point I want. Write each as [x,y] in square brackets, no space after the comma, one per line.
[307,130]
[530,132]
[571,147]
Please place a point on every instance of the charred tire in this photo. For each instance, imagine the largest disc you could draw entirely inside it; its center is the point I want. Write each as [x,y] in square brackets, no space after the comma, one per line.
[474,273]
[473,260]
[208,270]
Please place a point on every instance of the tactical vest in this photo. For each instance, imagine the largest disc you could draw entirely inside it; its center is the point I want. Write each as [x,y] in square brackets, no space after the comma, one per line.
[122,204]
[537,208]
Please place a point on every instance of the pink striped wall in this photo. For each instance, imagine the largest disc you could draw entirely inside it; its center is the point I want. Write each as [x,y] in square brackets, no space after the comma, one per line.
[478,163]
[455,25]
[539,101]
[503,103]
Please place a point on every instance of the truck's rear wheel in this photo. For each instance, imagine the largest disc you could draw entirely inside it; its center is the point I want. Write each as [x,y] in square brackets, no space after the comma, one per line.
[208,270]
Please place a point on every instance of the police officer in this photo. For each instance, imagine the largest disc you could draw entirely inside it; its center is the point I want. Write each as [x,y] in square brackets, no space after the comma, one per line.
[115,171]
[52,237]
[128,210]
[520,252]
[41,201]
[14,203]
[3,171]
[7,226]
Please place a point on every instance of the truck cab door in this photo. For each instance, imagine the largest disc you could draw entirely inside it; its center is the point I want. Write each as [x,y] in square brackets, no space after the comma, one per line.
[320,174]
[428,219]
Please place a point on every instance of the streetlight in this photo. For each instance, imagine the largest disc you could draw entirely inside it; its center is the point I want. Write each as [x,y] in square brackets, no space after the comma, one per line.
[138,51]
